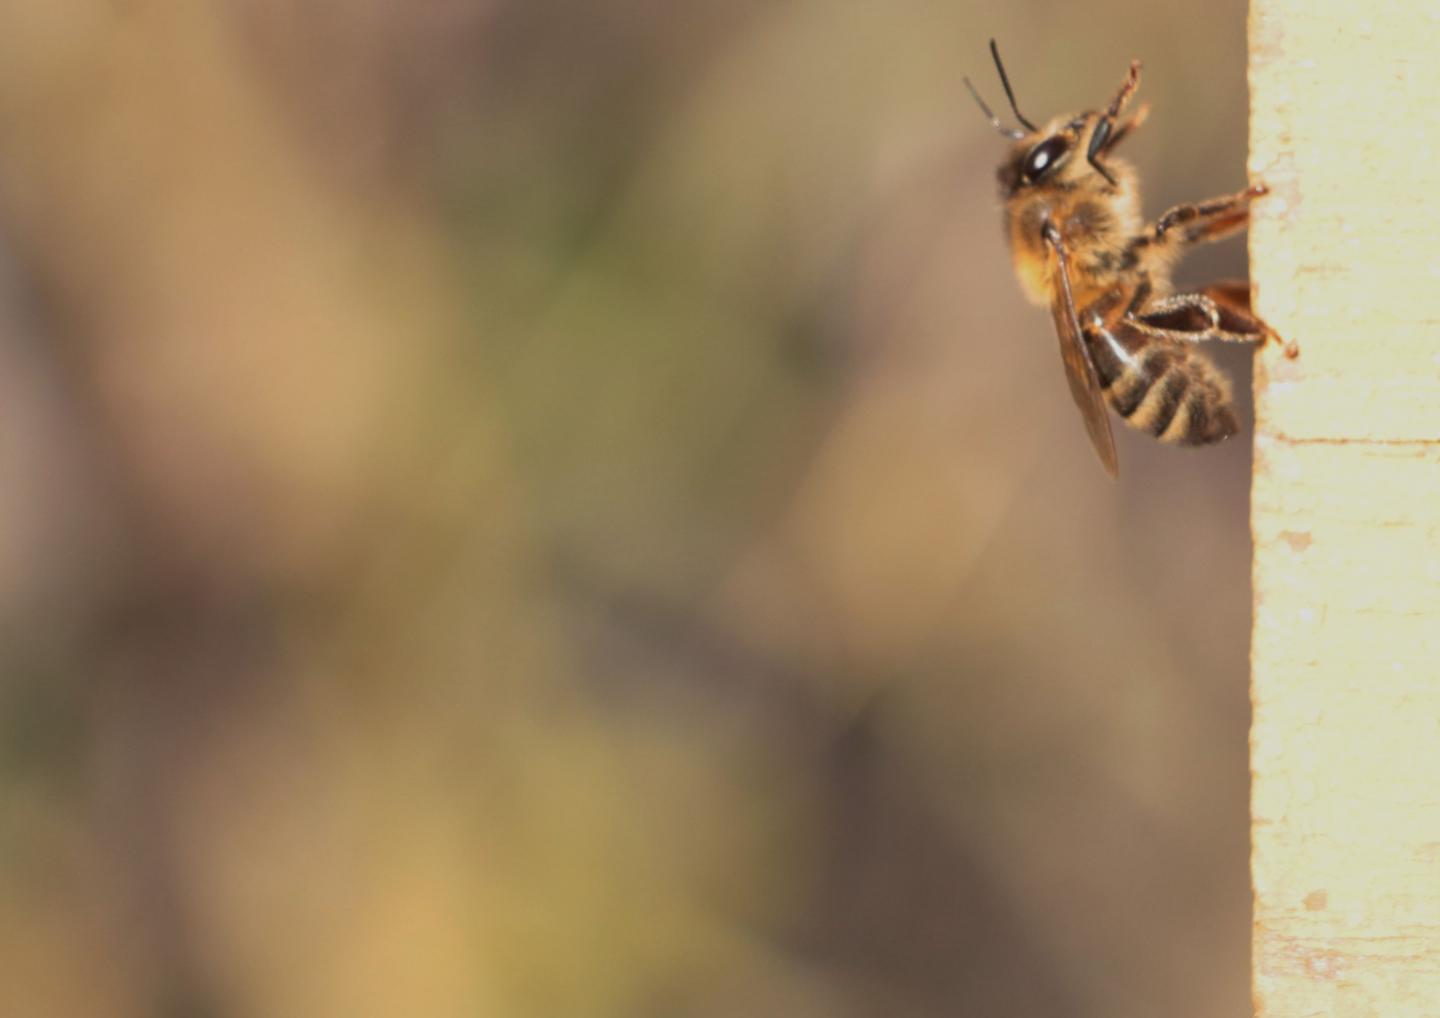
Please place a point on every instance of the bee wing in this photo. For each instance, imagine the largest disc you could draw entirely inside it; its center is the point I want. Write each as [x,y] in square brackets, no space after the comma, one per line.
[1079,369]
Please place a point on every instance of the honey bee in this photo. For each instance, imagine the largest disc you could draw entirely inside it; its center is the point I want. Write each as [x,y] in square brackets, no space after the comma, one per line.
[1072,217]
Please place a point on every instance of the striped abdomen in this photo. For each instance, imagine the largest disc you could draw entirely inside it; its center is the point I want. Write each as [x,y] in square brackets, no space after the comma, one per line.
[1161,385]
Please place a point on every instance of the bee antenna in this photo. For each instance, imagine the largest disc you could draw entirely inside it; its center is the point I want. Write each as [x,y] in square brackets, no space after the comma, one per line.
[1009,93]
[1009,132]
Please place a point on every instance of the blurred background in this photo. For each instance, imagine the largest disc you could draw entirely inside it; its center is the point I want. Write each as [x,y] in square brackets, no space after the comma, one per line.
[536,508]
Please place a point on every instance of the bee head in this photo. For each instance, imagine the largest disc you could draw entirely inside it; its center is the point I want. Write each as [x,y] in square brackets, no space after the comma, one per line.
[1041,155]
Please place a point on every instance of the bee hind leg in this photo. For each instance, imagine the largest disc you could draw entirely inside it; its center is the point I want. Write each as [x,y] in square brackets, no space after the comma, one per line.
[1218,312]
[1232,300]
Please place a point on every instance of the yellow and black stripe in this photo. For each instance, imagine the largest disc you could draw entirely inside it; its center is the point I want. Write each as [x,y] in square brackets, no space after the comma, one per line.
[1161,386]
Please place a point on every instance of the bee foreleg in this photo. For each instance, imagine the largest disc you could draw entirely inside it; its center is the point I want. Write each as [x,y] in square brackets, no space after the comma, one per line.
[1123,129]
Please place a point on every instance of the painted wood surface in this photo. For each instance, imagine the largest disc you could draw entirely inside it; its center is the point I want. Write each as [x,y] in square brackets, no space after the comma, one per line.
[1345,128]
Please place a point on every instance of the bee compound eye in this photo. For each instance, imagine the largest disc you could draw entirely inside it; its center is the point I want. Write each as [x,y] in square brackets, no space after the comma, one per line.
[1045,156]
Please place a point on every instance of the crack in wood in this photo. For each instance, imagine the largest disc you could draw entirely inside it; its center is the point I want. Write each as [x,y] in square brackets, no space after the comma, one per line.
[1328,440]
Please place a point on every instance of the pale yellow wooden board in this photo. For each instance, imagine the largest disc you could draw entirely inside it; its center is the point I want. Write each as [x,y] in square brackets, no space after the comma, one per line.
[1345,128]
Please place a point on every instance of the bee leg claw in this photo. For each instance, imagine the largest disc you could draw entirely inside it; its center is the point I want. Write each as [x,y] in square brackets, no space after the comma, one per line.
[1288,347]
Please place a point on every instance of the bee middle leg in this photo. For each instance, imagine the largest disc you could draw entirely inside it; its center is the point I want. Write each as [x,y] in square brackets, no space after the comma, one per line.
[1206,221]
[1198,223]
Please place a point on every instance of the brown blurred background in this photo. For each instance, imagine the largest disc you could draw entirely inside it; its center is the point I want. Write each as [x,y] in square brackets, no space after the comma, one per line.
[537,508]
